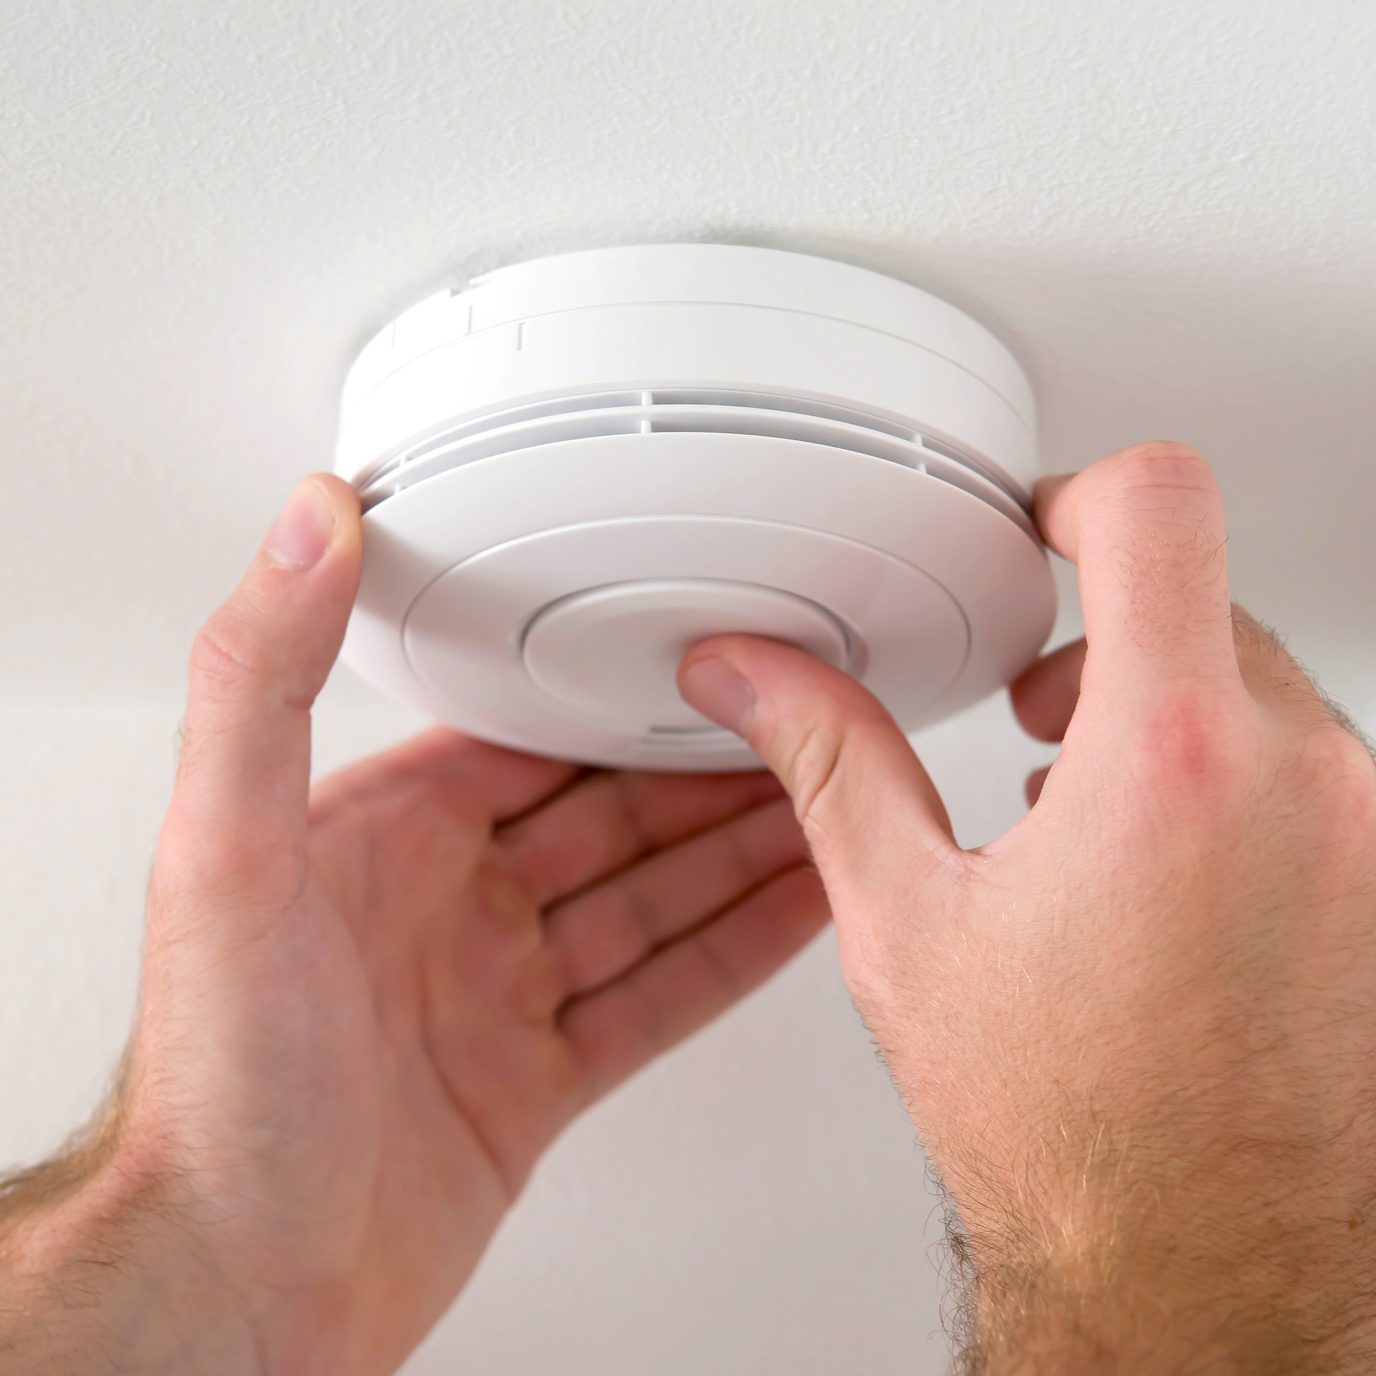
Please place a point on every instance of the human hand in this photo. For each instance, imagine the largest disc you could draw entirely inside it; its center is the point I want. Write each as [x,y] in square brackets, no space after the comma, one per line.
[368,1008]
[1136,1032]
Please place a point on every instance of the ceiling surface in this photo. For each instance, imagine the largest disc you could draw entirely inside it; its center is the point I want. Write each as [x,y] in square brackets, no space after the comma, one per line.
[1167,209]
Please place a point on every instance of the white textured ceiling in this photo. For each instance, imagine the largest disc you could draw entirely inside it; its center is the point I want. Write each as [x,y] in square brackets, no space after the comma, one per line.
[1168,209]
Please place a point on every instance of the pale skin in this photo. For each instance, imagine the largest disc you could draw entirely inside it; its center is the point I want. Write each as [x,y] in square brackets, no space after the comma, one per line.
[1134,1033]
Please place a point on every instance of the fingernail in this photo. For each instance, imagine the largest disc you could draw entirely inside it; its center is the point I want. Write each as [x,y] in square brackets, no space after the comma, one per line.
[717,691]
[303,530]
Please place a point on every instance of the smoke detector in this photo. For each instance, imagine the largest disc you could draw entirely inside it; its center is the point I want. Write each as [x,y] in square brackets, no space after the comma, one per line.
[574,468]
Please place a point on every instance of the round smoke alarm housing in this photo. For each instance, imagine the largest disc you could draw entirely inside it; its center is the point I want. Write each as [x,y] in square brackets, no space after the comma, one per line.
[574,468]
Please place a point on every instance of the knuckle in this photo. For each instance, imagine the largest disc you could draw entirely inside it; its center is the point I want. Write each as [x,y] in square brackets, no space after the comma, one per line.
[186,867]
[226,655]
[1335,776]
[1160,465]
[194,872]
[1196,747]
[814,756]
[822,756]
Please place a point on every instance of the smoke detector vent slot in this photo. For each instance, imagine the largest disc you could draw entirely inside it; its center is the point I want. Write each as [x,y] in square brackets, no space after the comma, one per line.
[671,410]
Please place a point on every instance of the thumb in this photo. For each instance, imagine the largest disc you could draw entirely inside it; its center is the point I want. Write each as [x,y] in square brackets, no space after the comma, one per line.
[238,811]
[859,791]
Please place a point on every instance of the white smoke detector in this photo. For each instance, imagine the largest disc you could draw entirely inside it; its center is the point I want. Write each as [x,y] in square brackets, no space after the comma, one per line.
[575,468]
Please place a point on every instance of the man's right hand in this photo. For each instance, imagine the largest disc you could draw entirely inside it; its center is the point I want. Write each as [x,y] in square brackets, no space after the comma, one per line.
[1136,1033]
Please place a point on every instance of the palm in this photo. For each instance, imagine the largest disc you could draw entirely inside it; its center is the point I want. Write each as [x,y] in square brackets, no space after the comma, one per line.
[522,938]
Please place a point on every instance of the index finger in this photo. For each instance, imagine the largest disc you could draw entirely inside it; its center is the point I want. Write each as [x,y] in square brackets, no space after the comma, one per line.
[1145,529]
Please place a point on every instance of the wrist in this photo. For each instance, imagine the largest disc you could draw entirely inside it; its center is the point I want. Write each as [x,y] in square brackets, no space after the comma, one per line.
[105,1271]
[1137,1321]
[1198,1273]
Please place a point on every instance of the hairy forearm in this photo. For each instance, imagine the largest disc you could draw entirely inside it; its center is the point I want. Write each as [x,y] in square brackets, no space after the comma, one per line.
[1237,1288]
[1159,1327]
[100,1273]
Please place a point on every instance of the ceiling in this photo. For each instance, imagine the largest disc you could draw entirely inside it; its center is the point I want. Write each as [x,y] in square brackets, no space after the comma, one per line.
[1167,209]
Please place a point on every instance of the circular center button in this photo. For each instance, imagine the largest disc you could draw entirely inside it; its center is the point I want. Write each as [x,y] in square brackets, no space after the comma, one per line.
[613,652]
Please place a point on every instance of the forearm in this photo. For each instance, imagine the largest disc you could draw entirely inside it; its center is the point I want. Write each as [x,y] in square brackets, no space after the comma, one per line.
[1240,1288]
[1132,1327]
[101,1272]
